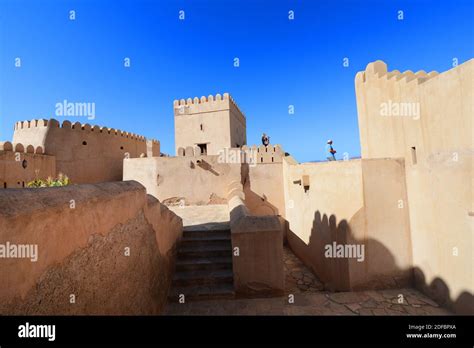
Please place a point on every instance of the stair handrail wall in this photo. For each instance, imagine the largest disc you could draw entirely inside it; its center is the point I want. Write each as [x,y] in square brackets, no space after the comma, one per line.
[257,248]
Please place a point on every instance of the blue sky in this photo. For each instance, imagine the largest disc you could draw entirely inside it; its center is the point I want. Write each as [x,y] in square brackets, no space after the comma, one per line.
[282,62]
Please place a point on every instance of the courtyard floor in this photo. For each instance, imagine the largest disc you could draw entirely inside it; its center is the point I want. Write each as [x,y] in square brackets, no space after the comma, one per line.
[310,299]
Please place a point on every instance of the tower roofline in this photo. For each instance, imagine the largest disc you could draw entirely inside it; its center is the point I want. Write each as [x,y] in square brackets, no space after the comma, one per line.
[210,101]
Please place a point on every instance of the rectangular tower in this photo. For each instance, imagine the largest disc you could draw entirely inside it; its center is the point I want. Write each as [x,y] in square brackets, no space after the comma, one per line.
[208,125]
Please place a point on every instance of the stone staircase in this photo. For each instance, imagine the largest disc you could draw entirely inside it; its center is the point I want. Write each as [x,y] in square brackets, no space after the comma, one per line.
[204,262]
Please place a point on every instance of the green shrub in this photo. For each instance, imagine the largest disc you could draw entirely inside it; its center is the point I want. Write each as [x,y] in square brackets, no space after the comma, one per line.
[61,180]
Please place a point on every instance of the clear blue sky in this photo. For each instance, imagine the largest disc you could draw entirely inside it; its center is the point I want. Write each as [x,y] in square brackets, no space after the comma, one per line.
[282,62]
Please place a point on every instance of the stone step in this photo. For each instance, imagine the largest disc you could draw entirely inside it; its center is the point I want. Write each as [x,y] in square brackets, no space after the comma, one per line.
[214,249]
[206,235]
[197,293]
[203,277]
[204,263]
[194,243]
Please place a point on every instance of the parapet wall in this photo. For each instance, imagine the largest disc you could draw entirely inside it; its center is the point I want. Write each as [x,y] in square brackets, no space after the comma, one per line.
[87,154]
[261,172]
[264,154]
[252,155]
[397,111]
[258,268]
[427,119]
[20,164]
[198,180]
[349,203]
[81,233]
[206,104]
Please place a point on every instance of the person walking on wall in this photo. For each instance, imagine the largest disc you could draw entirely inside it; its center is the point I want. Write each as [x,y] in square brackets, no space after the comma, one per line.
[265,139]
[330,151]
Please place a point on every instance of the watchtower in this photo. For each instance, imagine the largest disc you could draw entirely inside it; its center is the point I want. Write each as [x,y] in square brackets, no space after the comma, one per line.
[208,124]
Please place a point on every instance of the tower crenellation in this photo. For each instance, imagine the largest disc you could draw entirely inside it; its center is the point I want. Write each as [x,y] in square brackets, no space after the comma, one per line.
[378,71]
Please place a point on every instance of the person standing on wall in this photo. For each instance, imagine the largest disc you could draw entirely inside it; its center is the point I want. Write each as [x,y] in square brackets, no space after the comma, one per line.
[330,151]
[265,139]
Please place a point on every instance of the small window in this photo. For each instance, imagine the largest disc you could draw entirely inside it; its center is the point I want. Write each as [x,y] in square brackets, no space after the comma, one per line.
[121,147]
[203,148]
[24,164]
[84,142]
[4,185]
[202,127]
[413,155]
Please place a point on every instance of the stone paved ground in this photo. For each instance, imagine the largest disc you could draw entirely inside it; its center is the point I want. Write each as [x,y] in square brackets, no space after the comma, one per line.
[299,278]
[311,299]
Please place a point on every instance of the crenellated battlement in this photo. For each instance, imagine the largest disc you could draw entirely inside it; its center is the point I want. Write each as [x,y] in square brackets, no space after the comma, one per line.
[86,153]
[397,110]
[205,104]
[264,154]
[253,154]
[21,163]
[7,146]
[52,123]
[378,71]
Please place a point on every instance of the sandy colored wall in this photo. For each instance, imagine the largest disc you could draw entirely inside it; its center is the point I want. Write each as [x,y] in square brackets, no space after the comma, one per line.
[223,125]
[79,245]
[257,244]
[388,256]
[17,168]
[87,154]
[349,202]
[264,189]
[439,184]
[263,180]
[183,177]
[238,126]
[323,214]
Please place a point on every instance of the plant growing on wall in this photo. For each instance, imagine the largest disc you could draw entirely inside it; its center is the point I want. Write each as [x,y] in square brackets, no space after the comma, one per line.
[61,180]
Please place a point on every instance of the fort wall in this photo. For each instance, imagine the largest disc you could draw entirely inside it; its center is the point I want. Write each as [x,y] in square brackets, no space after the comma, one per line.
[196,180]
[85,153]
[20,164]
[349,203]
[263,182]
[437,145]
[82,232]
[260,168]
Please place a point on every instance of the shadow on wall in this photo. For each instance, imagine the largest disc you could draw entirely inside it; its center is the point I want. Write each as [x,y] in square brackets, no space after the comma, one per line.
[378,270]
[439,291]
[206,166]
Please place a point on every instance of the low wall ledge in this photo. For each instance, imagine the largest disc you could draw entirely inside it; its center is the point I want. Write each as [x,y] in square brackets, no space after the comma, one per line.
[25,201]
[256,224]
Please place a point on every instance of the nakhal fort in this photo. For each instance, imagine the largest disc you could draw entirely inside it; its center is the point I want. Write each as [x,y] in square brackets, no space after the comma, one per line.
[137,230]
